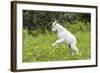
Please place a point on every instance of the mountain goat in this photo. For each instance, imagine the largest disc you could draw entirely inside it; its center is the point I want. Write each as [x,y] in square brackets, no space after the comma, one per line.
[65,36]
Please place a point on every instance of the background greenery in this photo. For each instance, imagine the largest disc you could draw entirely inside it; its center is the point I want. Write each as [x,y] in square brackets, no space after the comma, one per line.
[38,37]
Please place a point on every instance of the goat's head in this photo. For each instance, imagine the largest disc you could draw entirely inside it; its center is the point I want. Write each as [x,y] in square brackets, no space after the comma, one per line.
[54,26]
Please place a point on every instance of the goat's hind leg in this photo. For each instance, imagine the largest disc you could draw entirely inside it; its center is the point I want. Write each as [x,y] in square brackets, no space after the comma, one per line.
[74,49]
[70,50]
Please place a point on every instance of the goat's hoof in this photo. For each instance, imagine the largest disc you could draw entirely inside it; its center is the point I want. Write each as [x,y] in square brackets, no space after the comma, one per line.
[53,45]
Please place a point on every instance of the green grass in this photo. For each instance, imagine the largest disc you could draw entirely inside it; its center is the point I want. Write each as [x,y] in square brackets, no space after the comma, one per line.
[37,49]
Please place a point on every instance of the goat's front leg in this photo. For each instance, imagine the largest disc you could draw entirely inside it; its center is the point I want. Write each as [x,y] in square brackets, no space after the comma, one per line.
[57,42]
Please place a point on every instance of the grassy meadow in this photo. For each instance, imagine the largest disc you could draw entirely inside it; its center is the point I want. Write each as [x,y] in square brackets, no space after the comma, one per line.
[38,37]
[37,48]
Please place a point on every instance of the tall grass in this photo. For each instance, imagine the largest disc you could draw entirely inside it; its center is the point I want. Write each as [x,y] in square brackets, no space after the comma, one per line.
[38,47]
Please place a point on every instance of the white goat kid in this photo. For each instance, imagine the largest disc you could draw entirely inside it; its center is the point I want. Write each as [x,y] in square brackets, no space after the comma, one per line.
[65,36]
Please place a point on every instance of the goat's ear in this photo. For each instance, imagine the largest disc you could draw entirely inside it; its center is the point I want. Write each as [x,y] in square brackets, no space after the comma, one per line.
[55,21]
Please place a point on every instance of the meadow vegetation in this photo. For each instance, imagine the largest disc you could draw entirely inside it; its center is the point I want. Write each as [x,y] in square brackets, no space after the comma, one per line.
[37,45]
[38,37]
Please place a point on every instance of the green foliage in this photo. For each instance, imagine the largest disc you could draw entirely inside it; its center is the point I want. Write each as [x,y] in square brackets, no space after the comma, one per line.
[38,38]
[77,26]
[39,48]
[42,20]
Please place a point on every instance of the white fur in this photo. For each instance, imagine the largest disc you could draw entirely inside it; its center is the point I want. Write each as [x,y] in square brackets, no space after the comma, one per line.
[65,36]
